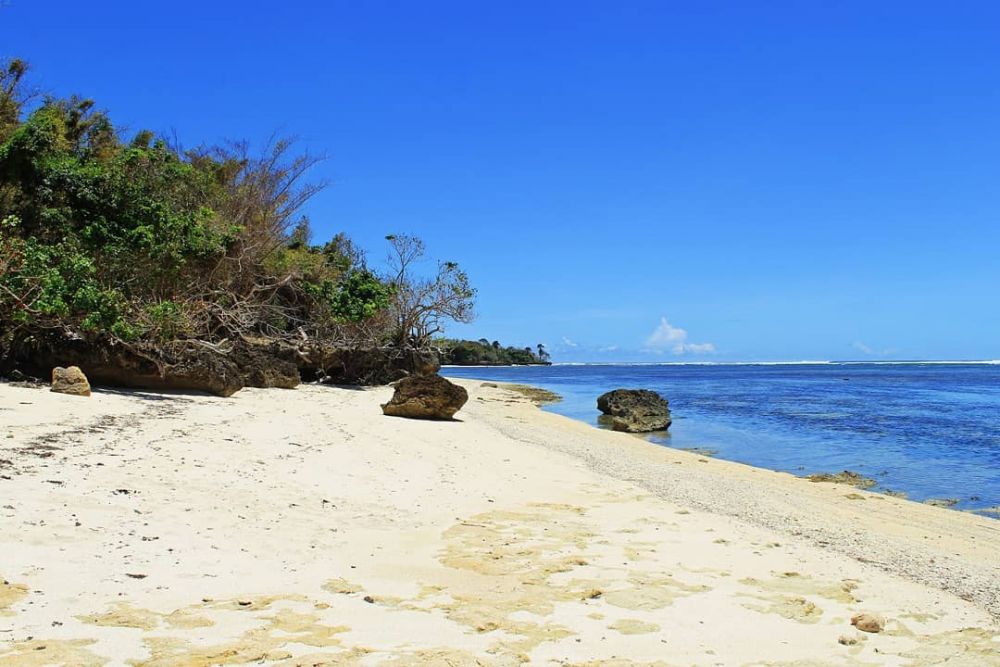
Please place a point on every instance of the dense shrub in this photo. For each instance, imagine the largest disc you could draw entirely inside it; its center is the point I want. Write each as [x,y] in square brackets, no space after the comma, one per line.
[139,241]
[131,242]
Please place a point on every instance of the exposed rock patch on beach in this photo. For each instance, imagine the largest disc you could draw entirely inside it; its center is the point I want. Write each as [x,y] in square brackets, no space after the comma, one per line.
[536,395]
[221,370]
[848,477]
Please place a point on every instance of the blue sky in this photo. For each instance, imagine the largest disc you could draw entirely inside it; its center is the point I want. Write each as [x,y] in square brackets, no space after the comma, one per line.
[655,181]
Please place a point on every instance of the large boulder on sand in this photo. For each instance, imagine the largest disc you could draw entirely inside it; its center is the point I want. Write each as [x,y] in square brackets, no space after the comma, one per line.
[426,397]
[70,381]
[634,410]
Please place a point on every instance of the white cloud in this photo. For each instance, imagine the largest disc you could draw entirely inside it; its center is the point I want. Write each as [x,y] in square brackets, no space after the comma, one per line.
[568,343]
[668,337]
[867,349]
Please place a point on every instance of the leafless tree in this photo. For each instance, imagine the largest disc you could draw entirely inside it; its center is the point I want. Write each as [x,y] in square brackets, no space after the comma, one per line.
[421,305]
[14,95]
[265,192]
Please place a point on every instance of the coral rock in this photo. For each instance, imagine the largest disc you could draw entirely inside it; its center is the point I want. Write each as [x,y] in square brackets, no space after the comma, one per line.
[426,397]
[70,381]
[634,410]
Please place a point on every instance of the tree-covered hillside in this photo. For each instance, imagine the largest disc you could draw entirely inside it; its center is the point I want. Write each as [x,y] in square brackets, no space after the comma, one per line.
[484,353]
[126,241]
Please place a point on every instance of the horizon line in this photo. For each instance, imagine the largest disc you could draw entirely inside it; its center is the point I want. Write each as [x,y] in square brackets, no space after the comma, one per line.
[807,362]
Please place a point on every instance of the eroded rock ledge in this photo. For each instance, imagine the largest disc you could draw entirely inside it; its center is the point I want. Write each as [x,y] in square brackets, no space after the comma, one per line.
[220,369]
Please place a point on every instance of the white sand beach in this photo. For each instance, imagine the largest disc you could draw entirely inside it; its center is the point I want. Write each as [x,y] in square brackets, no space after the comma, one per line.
[302,527]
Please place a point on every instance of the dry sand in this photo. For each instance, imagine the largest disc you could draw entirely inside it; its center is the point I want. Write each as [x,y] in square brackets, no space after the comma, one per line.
[304,528]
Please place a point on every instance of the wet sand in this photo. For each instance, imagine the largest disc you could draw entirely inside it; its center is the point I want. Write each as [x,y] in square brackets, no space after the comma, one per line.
[301,527]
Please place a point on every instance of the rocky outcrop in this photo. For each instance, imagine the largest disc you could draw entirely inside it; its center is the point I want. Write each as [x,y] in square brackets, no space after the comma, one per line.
[183,365]
[266,363]
[426,397]
[634,410]
[221,370]
[322,362]
[70,381]
[419,362]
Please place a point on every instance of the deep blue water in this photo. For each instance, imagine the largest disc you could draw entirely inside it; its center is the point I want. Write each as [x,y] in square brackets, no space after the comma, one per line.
[930,430]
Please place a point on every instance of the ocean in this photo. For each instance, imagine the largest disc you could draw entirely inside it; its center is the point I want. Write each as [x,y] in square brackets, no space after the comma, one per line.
[930,430]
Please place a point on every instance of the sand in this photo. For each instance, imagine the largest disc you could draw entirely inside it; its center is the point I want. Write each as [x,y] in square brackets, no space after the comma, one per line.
[301,527]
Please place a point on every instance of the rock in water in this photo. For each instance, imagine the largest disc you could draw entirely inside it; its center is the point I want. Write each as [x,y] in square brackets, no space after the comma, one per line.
[634,410]
[70,381]
[426,397]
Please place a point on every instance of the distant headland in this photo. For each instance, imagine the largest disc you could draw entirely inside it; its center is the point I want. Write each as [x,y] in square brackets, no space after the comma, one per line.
[482,352]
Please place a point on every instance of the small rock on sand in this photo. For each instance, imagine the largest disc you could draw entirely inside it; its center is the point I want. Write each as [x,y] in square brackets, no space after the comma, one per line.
[70,381]
[867,622]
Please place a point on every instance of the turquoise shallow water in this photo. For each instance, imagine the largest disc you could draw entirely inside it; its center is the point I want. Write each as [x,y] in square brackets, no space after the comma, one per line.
[930,430]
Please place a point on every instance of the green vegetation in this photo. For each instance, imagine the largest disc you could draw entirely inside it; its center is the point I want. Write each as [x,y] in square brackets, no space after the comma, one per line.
[484,353]
[132,241]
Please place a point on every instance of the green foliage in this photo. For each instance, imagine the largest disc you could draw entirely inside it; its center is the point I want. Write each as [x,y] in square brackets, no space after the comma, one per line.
[360,296]
[421,305]
[98,225]
[134,240]
[100,236]
[167,320]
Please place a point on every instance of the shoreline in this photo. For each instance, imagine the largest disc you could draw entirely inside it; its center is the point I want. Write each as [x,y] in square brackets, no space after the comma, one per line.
[899,535]
[874,422]
[303,527]
[849,479]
